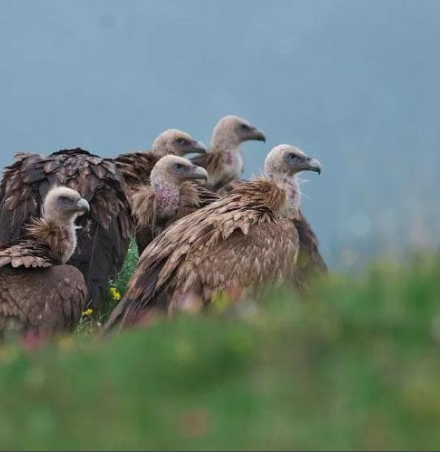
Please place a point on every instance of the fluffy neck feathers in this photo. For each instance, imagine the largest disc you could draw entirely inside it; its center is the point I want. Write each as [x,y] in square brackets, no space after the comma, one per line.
[59,236]
[283,194]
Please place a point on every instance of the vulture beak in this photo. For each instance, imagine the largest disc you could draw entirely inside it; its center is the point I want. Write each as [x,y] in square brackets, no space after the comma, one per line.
[258,135]
[197,172]
[313,165]
[83,205]
[199,148]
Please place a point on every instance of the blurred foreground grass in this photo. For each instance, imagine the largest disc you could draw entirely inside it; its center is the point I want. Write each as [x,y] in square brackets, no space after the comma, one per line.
[356,366]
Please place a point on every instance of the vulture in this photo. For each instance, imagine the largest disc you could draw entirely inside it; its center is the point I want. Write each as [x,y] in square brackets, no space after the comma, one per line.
[310,263]
[224,162]
[136,167]
[238,242]
[39,293]
[170,196]
[105,234]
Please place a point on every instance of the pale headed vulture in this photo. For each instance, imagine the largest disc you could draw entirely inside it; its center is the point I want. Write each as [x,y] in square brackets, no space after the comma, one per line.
[171,195]
[38,291]
[224,162]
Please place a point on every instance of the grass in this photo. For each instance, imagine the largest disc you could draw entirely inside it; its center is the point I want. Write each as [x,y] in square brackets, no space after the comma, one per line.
[354,366]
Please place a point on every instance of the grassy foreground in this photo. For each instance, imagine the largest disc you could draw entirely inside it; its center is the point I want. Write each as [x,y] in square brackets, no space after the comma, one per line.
[357,366]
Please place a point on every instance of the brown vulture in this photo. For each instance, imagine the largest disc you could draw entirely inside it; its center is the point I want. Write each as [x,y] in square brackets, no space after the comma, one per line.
[105,234]
[170,196]
[240,241]
[136,167]
[39,293]
[310,263]
[224,162]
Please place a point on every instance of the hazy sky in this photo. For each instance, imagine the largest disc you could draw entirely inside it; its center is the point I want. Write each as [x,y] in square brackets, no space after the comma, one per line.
[353,83]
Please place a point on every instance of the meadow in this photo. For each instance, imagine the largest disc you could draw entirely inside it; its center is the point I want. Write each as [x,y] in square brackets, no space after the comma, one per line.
[353,365]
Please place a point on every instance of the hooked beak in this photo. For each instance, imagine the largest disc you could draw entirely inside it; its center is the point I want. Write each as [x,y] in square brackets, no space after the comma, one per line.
[199,148]
[83,206]
[313,165]
[198,173]
[258,135]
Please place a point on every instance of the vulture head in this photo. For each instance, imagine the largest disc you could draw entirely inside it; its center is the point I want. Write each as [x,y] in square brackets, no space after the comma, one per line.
[176,142]
[62,204]
[281,166]
[287,160]
[231,131]
[173,170]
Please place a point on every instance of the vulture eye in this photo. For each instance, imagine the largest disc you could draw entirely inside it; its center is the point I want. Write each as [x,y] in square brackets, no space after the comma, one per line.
[182,141]
[64,199]
[294,158]
[180,168]
[244,127]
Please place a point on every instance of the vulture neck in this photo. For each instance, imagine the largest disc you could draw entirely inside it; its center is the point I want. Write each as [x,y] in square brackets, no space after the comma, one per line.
[290,185]
[167,196]
[225,145]
[58,233]
[230,163]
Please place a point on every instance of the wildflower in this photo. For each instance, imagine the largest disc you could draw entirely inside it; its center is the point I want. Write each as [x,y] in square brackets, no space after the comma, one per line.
[115,294]
[88,312]
[220,302]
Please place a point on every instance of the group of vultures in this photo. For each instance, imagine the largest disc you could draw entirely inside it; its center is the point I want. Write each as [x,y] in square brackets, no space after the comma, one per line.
[67,221]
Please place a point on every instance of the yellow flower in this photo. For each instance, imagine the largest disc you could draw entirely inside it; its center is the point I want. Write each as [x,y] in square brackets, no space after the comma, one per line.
[88,312]
[66,343]
[115,294]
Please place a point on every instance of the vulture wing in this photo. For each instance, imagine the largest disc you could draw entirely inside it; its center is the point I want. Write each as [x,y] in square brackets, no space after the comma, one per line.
[35,292]
[19,197]
[310,262]
[144,210]
[136,167]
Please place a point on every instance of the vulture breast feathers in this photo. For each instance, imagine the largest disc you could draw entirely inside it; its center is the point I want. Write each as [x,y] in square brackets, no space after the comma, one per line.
[237,241]
[38,292]
[105,234]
